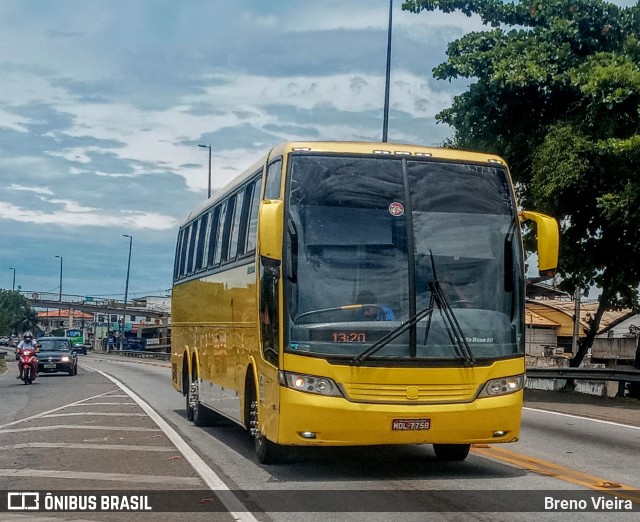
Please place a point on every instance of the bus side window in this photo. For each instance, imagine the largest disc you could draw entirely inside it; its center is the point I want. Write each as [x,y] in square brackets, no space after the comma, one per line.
[183,250]
[234,232]
[274,179]
[192,245]
[213,235]
[252,224]
[269,324]
[176,263]
[221,221]
[202,230]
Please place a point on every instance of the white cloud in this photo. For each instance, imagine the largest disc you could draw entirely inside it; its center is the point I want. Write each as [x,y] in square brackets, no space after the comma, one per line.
[72,216]
[37,190]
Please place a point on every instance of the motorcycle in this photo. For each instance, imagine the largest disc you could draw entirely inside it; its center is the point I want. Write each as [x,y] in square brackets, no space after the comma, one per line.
[28,363]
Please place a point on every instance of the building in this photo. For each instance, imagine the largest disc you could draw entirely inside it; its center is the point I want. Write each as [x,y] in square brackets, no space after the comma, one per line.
[50,320]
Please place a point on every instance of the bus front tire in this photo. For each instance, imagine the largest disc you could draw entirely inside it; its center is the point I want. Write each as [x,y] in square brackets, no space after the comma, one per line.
[451,452]
[267,452]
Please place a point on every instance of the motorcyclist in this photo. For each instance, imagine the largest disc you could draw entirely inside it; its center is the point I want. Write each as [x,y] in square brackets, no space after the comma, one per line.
[28,343]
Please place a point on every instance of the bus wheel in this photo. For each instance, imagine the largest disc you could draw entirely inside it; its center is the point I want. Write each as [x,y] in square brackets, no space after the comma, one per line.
[267,452]
[187,393]
[451,452]
[199,414]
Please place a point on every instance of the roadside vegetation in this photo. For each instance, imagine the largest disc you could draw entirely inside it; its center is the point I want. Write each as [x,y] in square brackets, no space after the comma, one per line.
[556,91]
[16,315]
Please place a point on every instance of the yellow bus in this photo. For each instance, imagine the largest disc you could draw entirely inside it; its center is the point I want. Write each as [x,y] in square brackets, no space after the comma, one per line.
[342,293]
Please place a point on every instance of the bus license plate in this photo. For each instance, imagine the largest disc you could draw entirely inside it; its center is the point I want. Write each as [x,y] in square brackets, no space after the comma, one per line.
[410,424]
[50,365]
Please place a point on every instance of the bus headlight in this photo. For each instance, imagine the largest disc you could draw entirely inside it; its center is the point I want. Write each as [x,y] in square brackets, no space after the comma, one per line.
[502,386]
[310,384]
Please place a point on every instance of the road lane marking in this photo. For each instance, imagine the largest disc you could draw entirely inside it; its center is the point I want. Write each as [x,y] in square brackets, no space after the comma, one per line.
[38,415]
[610,423]
[103,404]
[86,475]
[80,446]
[550,469]
[235,507]
[93,414]
[82,427]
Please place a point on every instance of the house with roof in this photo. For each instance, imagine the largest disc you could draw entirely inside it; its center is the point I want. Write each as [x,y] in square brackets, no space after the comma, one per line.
[49,320]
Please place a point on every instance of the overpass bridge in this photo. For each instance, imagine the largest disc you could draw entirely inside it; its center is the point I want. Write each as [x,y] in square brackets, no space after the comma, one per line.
[88,304]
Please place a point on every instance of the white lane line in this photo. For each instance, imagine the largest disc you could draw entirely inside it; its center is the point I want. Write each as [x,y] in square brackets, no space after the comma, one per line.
[610,423]
[83,427]
[85,475]
[236,509]
[93,414]
[79,446]
[53,410]
[103,404]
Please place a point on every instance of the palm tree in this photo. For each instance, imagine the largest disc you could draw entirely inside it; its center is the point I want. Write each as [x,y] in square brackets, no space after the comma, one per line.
[25,319]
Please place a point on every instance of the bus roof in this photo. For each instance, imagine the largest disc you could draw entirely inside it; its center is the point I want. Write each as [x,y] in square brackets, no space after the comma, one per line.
[346,147]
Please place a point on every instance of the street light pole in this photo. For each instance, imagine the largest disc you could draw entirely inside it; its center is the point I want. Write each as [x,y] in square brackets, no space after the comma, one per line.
[385,122]
[60,290]
[126,292]
[13,288]
[208,147]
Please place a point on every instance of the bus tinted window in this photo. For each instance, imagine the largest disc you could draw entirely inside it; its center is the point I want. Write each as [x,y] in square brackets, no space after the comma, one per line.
[176,261]
[250,245]
[235,227]
[213,235]
[192,245]
[274,177]
[219,234]
[183,250]
[202,231]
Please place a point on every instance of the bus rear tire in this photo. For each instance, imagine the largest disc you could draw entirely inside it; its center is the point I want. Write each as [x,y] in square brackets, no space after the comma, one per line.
[451,452]
[196,411]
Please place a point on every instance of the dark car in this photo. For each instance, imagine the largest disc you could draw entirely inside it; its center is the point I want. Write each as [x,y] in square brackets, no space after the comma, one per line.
[80,348]
[57,354]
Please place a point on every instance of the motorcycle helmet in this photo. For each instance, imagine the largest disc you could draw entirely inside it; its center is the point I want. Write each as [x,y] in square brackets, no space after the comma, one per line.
[27,336]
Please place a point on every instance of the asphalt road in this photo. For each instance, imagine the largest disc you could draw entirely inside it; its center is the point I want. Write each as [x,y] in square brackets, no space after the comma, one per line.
[89,419]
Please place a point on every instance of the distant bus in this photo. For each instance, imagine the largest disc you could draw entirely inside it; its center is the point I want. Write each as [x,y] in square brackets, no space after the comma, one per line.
[76,336]
[340,294]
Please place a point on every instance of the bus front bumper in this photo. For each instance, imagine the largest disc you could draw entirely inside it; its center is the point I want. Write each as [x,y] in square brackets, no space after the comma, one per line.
[313,420]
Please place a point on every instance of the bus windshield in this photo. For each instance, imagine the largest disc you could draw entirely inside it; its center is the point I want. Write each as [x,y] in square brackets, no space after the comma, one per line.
[366,239]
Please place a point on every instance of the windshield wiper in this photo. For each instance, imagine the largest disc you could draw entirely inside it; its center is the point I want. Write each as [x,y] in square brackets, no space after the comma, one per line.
[438,298]
[393,334]
[458,338]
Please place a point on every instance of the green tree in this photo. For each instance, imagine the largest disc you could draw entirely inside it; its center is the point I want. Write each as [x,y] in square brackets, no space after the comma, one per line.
[557,92]
[16,315]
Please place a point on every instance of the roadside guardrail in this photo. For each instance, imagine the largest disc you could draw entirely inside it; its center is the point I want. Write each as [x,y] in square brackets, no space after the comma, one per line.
[591,374]
[163,356]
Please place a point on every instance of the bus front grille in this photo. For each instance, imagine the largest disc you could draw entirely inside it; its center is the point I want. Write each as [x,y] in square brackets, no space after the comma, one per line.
[410,393]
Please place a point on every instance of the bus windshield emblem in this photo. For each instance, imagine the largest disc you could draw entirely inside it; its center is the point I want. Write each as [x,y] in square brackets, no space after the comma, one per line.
[396,209]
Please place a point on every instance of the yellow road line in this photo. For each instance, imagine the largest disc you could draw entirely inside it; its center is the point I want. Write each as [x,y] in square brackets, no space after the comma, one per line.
[573,476]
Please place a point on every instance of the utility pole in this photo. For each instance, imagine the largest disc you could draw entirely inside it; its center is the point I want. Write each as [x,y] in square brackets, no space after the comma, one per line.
[385,121]
[208,147]
[576,324]
[126,292]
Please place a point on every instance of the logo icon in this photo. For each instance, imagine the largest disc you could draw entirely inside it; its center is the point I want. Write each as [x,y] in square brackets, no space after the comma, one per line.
[23,501]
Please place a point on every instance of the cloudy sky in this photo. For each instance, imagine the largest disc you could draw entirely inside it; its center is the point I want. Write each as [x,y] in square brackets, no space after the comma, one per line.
[103,105]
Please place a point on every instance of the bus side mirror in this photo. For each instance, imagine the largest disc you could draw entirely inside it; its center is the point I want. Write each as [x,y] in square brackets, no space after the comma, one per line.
[548,238]
[270,228]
